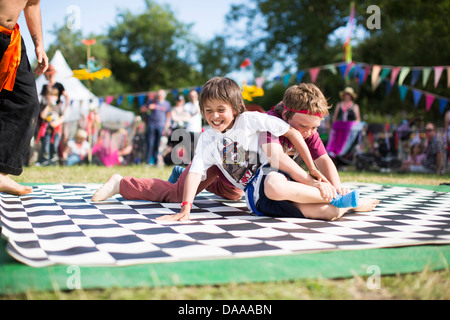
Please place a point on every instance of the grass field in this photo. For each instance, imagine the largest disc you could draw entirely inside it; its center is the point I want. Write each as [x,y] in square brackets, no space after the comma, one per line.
[423,285]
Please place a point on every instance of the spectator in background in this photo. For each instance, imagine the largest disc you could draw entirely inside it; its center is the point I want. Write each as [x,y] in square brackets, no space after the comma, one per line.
[194,126]
[447,135]
[158,122]
[347,109]
[51,128]
[77,149]
[434,155]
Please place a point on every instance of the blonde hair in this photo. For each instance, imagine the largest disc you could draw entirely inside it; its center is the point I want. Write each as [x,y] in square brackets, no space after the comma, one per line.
[222,89]
[303,96]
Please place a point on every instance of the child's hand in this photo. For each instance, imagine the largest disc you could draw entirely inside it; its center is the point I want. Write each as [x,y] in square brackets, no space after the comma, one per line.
[316,174]
[326,189]
[184,215]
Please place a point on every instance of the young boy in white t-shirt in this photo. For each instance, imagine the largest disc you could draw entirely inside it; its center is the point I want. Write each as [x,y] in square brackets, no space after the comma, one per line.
[233,144]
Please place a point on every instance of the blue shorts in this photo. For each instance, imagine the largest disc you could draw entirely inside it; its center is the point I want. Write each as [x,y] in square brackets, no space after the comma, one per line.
[271,208]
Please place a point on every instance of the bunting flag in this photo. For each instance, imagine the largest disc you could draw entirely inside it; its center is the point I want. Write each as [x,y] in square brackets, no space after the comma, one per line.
[448,77]
[403,74]
[109,99]
[300,75]
[331,68]
[119,100]
[342,67]
[376,69]
[416,95]
[394,74]
[314,72]
[442,105]
[437,75]
[403,91]
[415,76]
[426,74]
[429,99]
[286,79]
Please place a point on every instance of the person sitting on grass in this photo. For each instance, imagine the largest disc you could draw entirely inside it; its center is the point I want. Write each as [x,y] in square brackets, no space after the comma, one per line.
[274,184]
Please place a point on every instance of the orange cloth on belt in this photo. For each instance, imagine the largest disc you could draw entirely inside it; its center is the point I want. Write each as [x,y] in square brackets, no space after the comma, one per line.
[11,59]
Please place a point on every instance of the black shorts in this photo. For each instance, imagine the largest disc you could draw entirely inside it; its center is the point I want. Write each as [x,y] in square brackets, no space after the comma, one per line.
[18,114]
[278,209]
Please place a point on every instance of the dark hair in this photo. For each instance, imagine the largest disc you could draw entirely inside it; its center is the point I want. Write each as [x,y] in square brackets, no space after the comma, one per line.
[222,89]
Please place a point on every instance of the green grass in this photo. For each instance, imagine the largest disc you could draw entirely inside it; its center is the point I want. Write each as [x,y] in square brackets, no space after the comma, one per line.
[423,285]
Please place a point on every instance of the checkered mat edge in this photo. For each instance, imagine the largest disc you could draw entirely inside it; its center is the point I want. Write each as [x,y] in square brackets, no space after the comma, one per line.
[58,224]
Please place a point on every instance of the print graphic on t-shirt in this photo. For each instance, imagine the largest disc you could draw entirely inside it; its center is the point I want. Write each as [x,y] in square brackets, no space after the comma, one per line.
[239,163]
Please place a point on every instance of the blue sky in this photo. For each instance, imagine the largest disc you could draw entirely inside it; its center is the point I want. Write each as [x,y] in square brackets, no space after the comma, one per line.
[96,16]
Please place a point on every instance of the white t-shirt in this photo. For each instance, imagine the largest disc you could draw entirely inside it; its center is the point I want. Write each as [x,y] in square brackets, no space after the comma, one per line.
[195,122]
[237,152]
[80,151]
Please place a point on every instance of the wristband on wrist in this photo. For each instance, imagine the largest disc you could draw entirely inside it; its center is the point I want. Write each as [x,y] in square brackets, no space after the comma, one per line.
[186,203]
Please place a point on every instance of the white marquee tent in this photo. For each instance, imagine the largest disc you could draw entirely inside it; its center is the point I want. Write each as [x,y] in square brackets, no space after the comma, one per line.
[82,98]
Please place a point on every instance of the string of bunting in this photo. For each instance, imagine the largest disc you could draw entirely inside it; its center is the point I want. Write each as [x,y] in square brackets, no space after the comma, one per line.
[391,75]
[388,74]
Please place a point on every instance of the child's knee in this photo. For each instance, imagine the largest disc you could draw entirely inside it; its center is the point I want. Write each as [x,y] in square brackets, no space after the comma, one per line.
[274,184]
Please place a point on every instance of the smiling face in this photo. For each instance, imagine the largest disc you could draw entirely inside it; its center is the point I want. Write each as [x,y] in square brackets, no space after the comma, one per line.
[219,115]
[306,124]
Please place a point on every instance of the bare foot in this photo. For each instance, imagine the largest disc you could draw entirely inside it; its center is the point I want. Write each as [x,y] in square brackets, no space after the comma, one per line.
[366,205]
[9,186]
[110,188]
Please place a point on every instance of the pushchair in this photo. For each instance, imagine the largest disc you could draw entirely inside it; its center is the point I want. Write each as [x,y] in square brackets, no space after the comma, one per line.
[343,142]
[383,155]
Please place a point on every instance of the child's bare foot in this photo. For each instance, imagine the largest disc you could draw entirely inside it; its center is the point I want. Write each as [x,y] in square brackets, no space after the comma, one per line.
[366,205]
[110,188]
[9,186]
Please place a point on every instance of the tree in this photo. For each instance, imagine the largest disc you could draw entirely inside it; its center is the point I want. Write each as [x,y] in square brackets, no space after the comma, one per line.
[151,49]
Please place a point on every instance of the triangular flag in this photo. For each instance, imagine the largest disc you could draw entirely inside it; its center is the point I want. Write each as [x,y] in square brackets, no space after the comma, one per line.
[366,72]
[394,74]
[375,72]
[141,99]
[130,99]
[426,75]
[119,100]
[415,76]
[342,67]
[349,67]
[109,99]
[416,95]
[314,72]
[300,75]
[286,79]
[259,81]
[442,105]
[332,68]
[429,99]
[403,74]
[388,88]
[403,91]
[384,73]
[448,77]
[437,75]
[362,75]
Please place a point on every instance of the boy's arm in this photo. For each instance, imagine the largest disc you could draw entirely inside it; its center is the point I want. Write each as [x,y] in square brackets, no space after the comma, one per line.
[278,159]
[328,168]
[300,145]
[190,188]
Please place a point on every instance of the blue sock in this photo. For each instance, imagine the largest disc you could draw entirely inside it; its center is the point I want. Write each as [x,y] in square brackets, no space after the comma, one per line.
[350,200]
[176,173]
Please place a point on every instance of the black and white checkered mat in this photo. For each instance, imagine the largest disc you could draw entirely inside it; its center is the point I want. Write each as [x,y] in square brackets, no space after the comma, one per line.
[58,224]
